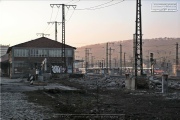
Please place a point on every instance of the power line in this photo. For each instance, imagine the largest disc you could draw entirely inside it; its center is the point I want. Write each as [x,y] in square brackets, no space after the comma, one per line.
[109,5]
[102,5]
[51,14]
[45,30]
[69,2]
[76,1]
[57,14]
[71,15]
[97,5]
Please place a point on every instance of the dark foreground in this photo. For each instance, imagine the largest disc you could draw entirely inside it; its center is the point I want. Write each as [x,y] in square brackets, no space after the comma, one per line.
[108,104]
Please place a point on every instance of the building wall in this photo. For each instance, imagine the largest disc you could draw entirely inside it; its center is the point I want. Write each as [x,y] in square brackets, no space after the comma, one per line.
[24,60]
[3,49]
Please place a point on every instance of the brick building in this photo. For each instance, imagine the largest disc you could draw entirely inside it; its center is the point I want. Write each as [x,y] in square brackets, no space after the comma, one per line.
[25,57]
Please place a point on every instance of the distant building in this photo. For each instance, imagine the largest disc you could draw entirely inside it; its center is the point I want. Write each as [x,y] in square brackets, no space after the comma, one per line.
[25,57]
[176,70]
[3,49]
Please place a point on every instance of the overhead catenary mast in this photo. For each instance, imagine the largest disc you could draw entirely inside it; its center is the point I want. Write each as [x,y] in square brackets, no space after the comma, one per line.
[63,31]
[55,22]
[138,41]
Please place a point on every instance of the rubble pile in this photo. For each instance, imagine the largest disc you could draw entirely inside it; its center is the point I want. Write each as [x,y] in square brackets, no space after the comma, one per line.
[174,85]
[93,82]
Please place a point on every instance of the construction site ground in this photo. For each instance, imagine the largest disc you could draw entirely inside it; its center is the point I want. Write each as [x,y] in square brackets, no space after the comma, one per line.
[105,98]
[87,98]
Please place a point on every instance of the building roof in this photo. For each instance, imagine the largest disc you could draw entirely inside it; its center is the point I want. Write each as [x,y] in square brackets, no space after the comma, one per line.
[41,42]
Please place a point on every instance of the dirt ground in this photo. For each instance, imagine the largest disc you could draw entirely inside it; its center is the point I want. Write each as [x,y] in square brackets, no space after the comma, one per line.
[101,103]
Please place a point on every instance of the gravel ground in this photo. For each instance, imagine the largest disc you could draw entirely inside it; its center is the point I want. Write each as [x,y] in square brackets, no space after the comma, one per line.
[14,106]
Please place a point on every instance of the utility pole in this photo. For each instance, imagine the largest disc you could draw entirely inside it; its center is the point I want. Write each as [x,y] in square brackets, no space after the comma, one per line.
[152,64]
[115,64]
[177,59]
[148,63]
[42,34]
[107,48]
[107,57]
[125,61]
[138,40]
[82,63]
[63,30]
[92,61]
[120,59]
[110,57]
[55,28]
[86,58]
[102,64]
[134,52]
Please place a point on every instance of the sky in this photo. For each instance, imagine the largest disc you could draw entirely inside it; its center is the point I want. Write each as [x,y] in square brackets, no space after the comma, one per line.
[91,22]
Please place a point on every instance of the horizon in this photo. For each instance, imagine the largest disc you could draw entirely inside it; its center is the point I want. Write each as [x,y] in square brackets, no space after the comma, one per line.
[87,27]
[96,43]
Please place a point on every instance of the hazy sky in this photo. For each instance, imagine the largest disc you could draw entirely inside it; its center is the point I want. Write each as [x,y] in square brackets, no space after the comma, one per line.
[21,20]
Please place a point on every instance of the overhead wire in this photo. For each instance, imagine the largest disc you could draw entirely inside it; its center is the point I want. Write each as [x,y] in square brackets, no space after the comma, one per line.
[109,5]
[86,8]
[70,16]
[66,21]
[73,11]
[76,1]
[98,6]
[69,2]
[50,20]
[56,18]
[57,14]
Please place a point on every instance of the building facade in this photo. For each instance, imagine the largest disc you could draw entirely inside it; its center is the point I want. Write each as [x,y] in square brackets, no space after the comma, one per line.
[26,57]
[3,49]
[176,70]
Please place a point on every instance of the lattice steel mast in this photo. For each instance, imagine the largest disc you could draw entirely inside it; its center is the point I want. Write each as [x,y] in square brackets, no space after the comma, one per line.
[138,41]
[63,30]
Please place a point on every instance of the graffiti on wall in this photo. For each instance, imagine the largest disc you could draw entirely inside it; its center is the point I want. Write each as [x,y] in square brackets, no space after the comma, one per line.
[58,69]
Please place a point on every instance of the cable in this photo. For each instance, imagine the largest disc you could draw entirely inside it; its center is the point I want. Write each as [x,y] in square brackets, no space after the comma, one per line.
[102,5]
[57,14]
[76,1]
[71,16]
[45,30]
[69,2]
[51,14]
[109,5]
[97,5]
[49,28]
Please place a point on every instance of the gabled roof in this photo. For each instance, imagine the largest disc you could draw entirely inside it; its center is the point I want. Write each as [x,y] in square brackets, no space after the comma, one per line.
[42,42]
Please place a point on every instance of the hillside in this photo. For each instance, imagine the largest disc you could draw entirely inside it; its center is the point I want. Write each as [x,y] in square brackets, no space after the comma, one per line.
[163,49]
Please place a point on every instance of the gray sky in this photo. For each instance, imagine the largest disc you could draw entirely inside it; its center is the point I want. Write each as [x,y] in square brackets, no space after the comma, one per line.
[21,20]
